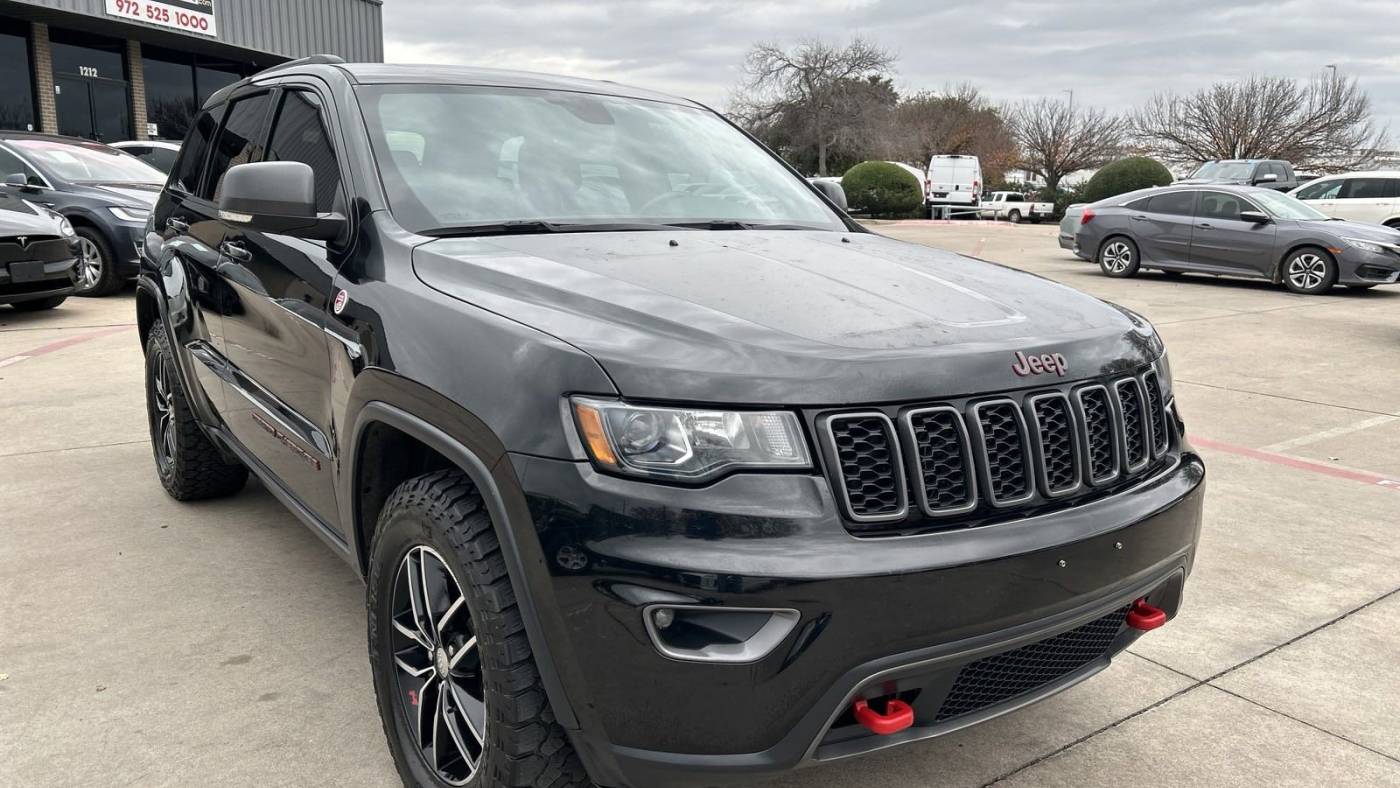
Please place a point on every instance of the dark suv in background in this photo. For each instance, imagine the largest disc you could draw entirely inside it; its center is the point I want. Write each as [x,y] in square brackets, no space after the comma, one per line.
[105,194]
[659,469]
[1273,174]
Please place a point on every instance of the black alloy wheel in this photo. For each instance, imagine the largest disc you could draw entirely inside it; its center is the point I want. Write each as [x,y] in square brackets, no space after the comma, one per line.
[440,690]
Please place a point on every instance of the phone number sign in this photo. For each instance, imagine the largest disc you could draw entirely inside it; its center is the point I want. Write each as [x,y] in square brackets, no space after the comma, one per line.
[191,16]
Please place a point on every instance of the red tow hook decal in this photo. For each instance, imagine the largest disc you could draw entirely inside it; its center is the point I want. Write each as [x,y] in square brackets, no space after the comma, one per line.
[1146,617]
[898,716]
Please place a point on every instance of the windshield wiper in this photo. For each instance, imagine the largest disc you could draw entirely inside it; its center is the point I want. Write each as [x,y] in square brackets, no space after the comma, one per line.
[537,227]
[734,224]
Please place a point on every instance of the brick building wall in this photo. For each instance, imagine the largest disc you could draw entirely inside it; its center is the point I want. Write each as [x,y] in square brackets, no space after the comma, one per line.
[43,77]
[136,73]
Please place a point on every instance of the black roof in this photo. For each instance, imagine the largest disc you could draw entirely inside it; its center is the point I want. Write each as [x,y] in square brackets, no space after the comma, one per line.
[410,74]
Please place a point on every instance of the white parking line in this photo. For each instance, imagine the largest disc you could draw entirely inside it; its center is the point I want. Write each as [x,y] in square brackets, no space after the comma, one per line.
[5,362]
[1346,429]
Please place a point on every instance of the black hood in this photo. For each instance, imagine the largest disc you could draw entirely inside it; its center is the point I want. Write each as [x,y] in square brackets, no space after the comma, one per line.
[134,195]
[784,317]
[20,217]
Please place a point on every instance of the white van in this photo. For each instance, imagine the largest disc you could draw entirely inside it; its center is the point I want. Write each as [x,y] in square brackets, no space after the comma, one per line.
[1356,196]
[954,181]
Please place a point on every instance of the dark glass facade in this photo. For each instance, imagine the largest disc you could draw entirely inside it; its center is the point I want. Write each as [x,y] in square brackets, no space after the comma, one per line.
[17,85]
[178,84]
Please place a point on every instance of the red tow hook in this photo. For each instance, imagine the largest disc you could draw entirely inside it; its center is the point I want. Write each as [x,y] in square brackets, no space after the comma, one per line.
[898,716]
[1146,617]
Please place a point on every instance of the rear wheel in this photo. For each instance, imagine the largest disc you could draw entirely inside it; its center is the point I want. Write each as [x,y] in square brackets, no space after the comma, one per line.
[188,463]
[1014,217]
[459,693]
[1310,271]
[1118,258]
[39,305]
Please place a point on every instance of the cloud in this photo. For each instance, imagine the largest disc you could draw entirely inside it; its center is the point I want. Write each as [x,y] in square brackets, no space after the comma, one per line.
[1112,54]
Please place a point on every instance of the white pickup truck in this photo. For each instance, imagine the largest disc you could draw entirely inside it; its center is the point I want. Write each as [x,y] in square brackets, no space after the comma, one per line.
[1015,208]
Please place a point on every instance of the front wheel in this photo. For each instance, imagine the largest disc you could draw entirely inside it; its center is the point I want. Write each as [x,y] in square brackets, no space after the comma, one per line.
[1310,271]
[97,266]
[460,695]
[1118,258]
[1014,217]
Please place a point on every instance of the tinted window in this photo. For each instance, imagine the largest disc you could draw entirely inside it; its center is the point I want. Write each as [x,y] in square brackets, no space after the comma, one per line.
[1370,188]
[162,159]
[240,141]
[1219,205]
[192,155]
[1279,170]
[1140,204]
[76,53]
[299,135]
[10,164]
[16,97]
[169,92]
[1324,190]
[1173,203]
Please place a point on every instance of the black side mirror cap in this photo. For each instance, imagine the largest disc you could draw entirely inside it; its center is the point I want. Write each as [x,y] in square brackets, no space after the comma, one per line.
[1257,217]
[277,197]
[833,192]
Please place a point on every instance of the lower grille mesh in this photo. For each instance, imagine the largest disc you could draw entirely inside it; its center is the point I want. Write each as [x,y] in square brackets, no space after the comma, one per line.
[997,679]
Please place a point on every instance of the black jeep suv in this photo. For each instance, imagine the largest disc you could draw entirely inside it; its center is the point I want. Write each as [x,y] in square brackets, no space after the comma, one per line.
[659,469]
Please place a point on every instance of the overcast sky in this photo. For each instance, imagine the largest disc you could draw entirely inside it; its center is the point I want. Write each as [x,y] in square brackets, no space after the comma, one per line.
[1112,54]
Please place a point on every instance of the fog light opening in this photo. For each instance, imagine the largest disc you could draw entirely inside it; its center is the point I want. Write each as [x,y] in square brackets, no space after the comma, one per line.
[702,633]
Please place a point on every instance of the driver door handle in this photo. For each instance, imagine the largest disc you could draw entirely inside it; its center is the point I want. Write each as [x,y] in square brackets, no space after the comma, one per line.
[177,225]
[1139,218]
[235,251]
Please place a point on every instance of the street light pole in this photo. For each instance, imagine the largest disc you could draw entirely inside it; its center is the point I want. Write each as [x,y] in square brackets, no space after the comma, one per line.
[1070,91]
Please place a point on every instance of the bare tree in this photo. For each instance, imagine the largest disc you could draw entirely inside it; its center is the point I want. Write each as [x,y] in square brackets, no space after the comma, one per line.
[819,91]
[957,120]
[1324,124]
[1057,138]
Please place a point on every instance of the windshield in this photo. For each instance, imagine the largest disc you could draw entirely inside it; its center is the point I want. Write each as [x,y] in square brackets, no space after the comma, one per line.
[1283,206]
[1225,170]
[87,163]
[454,157]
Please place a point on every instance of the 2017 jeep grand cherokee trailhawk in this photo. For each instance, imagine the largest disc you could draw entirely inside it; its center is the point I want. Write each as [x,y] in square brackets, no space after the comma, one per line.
[660,470]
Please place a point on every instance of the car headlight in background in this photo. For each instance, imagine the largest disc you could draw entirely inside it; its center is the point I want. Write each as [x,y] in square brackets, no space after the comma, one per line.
[1370,246]
[688,444]
[135,215]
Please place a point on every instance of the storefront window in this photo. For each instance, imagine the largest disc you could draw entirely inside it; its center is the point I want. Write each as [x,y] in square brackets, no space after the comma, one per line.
[212,76]
[16,91]
[170,91]
[87,55]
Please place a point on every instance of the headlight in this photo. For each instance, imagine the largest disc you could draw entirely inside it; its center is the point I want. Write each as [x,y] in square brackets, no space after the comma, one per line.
[688,444]
[129,214]
[1367,246]
[65,227]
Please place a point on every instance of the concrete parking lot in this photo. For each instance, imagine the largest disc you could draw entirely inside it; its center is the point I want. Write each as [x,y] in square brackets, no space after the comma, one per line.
[149,643]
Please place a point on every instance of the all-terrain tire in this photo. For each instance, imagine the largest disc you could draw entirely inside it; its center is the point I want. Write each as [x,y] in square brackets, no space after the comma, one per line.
[190,466]
[525,746]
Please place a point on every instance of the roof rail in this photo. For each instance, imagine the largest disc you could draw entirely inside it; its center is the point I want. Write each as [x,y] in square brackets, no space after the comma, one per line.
[313,60]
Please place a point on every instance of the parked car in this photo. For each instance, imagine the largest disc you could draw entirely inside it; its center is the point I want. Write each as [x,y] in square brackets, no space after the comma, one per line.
[613,444]
[1015,207]
[1237,231]
[1069,228]
[955,183]
[106,195]
[157,153]
[38,250]
[1270,173]
[1372,197]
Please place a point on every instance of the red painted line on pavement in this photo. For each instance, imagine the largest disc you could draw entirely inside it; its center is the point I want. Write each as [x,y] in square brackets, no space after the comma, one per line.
[1365,477]
[51,347]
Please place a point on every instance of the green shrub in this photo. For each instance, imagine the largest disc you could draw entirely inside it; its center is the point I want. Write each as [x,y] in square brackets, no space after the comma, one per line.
[881,189]
[1125,175]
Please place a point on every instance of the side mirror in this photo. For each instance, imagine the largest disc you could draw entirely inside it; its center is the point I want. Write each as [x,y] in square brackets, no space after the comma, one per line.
[277,197]
[1267,178]
[833,192]
[1257,217]
[17,180]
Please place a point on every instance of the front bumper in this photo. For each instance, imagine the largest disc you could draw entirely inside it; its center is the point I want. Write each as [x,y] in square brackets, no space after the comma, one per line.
[1360,267]
[127,239]
[56,280]
[875,613]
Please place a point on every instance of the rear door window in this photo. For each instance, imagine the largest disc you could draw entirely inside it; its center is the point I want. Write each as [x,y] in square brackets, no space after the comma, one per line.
[1174,203]
[240,141]
[185,175]
[1369,189]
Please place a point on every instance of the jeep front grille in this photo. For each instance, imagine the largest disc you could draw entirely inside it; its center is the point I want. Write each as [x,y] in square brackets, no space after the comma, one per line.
[973,461]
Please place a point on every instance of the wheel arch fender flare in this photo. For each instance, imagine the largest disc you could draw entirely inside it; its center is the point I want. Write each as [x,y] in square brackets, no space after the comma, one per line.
[504,517]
